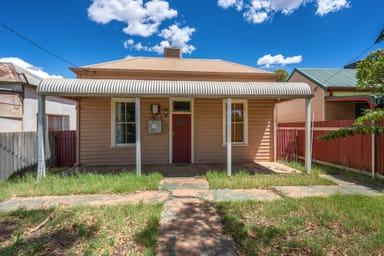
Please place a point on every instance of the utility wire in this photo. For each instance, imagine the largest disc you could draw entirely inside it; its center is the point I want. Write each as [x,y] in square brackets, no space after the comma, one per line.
[36,45]
[379,39]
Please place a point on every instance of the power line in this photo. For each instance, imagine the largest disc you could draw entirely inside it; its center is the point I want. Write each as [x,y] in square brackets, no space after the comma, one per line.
[37,45]
[380,38]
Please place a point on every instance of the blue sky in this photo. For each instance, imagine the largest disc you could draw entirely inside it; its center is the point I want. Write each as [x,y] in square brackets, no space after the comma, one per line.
[268,34]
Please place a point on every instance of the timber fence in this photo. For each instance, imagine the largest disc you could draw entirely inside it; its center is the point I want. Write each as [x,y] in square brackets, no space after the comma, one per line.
[18,151]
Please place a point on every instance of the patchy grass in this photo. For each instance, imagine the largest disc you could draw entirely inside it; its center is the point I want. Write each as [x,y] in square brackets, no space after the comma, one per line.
[85,230]
[220,180]
[338,225]
[324,169]
[87,183]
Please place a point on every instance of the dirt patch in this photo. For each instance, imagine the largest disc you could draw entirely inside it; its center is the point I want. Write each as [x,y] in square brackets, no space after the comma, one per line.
[6,229]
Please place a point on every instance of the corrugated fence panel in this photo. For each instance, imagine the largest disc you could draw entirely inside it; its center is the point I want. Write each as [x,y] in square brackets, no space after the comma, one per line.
[65,146]
[353,151]
[286,148]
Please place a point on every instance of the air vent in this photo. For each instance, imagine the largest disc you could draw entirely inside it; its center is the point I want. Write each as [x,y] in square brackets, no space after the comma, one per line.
[172,53]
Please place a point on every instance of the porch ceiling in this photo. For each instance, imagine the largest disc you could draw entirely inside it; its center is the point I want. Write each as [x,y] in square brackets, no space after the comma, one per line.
[162,88]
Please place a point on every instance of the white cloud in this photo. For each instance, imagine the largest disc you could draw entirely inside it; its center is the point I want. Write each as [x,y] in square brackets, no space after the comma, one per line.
[259,11]
[225,4]
[173,36]
[29,67]
[269,60]
[128,43]
[141,19]
[254,16]
[179,37]
[326,6]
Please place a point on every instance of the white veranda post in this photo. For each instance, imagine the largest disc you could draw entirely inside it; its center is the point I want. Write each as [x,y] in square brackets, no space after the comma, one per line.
[229,137]
[308,155]
[138,136]
[41,138]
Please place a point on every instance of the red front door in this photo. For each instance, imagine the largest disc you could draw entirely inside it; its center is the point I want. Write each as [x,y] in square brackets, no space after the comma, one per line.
[181,147]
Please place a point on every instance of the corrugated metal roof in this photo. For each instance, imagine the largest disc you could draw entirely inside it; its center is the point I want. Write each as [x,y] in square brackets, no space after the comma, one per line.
[327,77]
[13,73]
[109,87]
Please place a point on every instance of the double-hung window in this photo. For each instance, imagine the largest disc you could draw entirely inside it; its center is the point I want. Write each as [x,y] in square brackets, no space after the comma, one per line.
[123,122]
[239,123]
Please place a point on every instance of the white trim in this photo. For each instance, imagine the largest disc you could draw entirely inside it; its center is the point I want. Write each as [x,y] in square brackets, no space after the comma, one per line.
[245,104]
[171,113]
[113,123]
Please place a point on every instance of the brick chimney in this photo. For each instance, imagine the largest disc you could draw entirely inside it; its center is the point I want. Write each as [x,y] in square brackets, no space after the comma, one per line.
[172,52]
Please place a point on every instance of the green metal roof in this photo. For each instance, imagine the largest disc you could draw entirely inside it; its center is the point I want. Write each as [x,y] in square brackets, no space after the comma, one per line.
[330,77]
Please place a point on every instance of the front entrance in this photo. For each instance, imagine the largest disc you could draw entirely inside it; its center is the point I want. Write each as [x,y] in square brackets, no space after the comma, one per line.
[181,142]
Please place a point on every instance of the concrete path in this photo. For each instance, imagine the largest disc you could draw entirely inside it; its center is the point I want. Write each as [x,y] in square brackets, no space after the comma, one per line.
[190,225]
[194,188]
[45,202]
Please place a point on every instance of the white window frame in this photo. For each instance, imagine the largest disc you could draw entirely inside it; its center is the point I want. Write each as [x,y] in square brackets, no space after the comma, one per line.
[245,127]
[113,121]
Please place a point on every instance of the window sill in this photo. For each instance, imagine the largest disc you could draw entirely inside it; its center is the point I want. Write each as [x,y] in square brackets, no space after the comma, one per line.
[123,146]
[237,145]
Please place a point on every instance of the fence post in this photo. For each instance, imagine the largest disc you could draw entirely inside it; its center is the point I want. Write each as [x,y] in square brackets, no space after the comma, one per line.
[373,159]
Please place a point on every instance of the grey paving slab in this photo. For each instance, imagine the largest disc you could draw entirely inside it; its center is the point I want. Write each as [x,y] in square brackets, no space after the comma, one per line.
[242,195]
[186,183]
[308,191]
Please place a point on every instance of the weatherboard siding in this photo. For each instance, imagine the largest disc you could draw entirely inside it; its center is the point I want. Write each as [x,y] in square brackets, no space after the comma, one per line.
[209,147]
[95,135]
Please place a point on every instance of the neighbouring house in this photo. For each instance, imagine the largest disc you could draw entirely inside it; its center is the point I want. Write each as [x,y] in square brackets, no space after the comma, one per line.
[335,96]
[143,111]
[18,103]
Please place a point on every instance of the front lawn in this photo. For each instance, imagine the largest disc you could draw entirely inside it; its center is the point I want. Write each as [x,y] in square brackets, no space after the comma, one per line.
[320,168]
[83,230]
[87,183]
[338,225]
[220,180]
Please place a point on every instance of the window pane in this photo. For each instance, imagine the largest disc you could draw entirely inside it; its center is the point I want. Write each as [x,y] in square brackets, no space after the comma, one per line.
[237,132]
[125,128]
[182,106]
[237,112]
[125,133]
[125,112]
[237,122]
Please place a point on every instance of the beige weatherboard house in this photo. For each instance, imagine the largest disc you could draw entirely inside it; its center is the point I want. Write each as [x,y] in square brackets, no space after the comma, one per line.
[145,111]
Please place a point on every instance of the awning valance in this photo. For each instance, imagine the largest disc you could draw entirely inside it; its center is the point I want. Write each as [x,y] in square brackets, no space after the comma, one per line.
[162,88]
